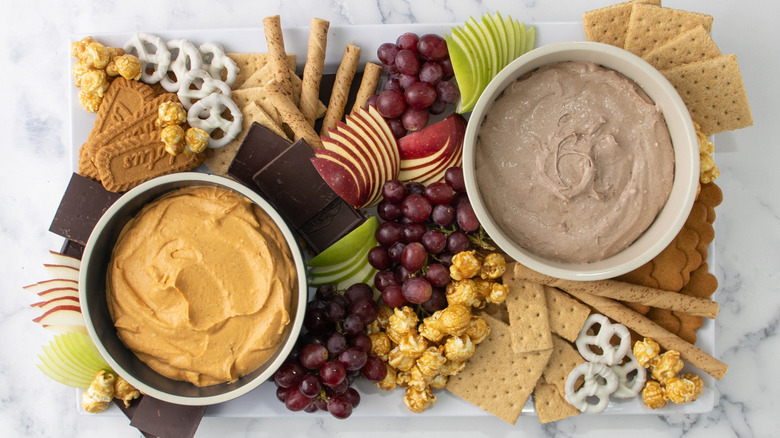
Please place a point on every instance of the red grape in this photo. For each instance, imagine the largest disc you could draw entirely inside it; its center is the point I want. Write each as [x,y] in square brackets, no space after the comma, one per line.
[414,256]
[352,396]
[316,321]
[282,392]
[388,211]
[310,385]
[445,259]
[415,119]
[371,101]
[391,103]
[415,188]
[397,127]
[404,81]
[432,47]
[337,390]
[408,41]
[402,274]
[439,193]
[438,301]
[443,215]
[296,400]
[366,309]
[388,233]
[383,279]
[458,242]
[375,369]
[339,408]
[352,325]
[361,341]
[454,177]
[353,359]
[313,356]
[413,232]
[447,92]
[336,343]
[378,258]
[325,291]
[393,296]
[407,62]
[386,53]
[416,207]
[334,312]
[446,67]
[431,72]
[437,107]
[396,250]
[332,372]
[437,275]
[460,198]
[434,241]
[467,219]
[311,407]
[393,84]
[419,95]
[394,191]
[358,291]
[417,290]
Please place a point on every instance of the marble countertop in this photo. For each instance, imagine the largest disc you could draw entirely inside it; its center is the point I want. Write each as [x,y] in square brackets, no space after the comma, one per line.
[34,53]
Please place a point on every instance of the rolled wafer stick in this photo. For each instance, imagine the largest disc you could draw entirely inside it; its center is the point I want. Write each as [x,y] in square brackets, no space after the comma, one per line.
[341,85]
[292,116]
[312,72]
[647,328]
[277,57]
[368,84]
[621,291]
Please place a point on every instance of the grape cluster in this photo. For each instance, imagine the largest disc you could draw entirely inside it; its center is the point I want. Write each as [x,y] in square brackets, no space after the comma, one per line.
[419,70]
[423,228]
[334,351]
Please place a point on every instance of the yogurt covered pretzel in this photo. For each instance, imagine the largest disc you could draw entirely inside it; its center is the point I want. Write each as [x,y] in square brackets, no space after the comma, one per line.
[599,382]
[187,57]
[208,86]
[629,384]
[611,354]
[215,61]
[206,114]
[160,57]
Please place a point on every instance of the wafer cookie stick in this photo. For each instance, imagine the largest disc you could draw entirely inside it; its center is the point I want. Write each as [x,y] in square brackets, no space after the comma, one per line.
[312,72]
[621,291]
[371,75]
[341,85]
[292,116]
[277,57]
[647,328]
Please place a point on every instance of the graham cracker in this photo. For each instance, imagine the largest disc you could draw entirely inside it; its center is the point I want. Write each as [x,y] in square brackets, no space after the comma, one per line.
[497,380]
[249,63]
[609,24]
[651,26]
[526,304]
[243,96]
[550,405]
[714,93]
[566,315]
[690,46]
[564,358]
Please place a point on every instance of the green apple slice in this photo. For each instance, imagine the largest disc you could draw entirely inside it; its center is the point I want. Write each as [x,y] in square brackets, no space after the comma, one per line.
[495,41]
[463,68]
[67,381]
[502,40]
[365,275]
[345,247]
[478,70]
[81,345]
[507,30]
[530,38]
[483,42]
[323,271]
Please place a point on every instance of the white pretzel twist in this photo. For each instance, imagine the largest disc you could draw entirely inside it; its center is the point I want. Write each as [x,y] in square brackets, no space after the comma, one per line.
[611,354]
[629,388]
[217,62]
[600,382]
[185,57]
[208,86]
[160,58]
[213,107]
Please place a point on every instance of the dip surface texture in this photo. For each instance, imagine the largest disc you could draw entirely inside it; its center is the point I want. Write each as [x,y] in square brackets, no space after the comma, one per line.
[574,162]
[200,285]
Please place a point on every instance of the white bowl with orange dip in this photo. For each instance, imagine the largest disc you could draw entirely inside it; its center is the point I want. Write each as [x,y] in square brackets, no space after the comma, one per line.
[581,161]
[193,288]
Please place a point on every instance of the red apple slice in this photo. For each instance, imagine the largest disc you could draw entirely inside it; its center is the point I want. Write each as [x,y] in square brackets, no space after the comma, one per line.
[65,300]
[44,287]
[429,152]
[65,260]
[356,142]
[351,159]
[69,315]
[338,176]
[63,272]
[363,121]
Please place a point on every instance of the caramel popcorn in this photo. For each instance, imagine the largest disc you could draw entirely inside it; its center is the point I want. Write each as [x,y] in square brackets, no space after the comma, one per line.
[455,319]
[708,171]
[439,382]
[419,380]
[380,344]
[483,289]
[413,345]
[462,292]
[646,351]
[400,360]
[77,48]
[680,390]
[465,264]
[197,140]
[90,101]
[698,384]
[403,320]
[79,69]
[170,113]
[99,394]
[173,137]
[478,330]
[667,366]
[95,55]
[498,293]
[451,367]
[430,329]
[393,335]
[402,378]
[388,383]
[125,391]
[93,81]
[458,348]
[128,66]
[419,400]
[431,361]
[653,395]
[493,266]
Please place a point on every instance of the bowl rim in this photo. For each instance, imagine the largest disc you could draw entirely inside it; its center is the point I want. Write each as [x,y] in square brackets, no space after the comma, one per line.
[297,323]
[685,145]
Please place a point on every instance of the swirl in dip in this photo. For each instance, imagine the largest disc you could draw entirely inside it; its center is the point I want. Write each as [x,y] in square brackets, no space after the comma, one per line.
[574,162]
[200,285]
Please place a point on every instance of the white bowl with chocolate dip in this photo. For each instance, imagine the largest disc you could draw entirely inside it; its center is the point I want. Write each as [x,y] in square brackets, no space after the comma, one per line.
[193,288]
[581,161]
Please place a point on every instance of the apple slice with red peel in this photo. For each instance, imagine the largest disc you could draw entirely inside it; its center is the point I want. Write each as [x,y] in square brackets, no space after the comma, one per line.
[64,315]
[374,166]
[44,287]
[428,153]
[362,119]
[66,300]
[338,176]
[351,157]
[65,260]
[63,272]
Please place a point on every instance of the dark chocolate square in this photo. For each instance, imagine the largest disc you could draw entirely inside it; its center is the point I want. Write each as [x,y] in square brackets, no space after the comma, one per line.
[260,147]
[167,420]
[73,249]
[330,224]
[82,206]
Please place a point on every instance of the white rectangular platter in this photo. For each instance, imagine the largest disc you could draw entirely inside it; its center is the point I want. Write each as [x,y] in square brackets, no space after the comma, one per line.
[262,402]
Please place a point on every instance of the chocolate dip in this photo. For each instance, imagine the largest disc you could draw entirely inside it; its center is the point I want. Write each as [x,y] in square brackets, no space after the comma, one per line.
[574,161]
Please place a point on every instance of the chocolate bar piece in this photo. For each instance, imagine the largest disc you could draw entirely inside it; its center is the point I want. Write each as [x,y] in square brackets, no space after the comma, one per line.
[129,411]
[260,147]
[82,206]
[166,420]
[283,174]
[73,249]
